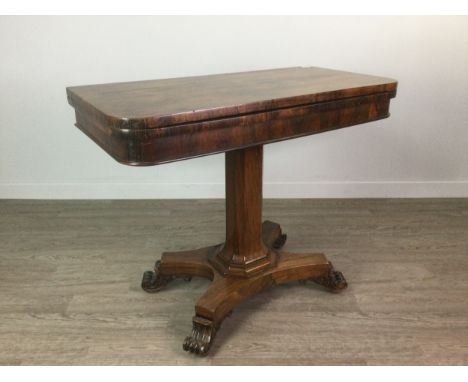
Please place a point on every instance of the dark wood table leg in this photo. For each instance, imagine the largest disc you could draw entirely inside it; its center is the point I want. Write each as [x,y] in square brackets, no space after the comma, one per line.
[248,262]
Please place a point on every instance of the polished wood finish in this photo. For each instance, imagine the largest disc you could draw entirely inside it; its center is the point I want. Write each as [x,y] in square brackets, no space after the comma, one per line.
[244,252]
[167,102]
[153,122]
[225,293]
[248,262]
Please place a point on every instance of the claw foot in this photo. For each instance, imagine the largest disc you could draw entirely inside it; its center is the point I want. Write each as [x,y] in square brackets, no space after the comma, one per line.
[153,281]
[280,241]
[203,333]
[333,280]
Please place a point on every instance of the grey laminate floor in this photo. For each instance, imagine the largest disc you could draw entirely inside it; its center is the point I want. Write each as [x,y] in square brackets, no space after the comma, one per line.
[70,276]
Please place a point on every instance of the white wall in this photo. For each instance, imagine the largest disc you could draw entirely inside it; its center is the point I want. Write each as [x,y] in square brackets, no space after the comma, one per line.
[421,150]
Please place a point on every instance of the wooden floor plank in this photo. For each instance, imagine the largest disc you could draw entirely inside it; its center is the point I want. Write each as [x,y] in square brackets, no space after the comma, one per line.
[70,275]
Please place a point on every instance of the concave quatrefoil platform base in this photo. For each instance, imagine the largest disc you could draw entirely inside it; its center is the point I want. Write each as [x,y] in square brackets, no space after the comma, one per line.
[225,292]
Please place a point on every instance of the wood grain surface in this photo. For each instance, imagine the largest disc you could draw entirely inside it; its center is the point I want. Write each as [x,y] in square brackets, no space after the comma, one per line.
[70,293]
[152,122]
[166,102]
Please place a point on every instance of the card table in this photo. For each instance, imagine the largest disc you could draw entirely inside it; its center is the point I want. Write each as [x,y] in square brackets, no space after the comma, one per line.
[147,123]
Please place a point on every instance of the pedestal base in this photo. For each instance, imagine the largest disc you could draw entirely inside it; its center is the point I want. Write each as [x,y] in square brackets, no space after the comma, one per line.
[225,292]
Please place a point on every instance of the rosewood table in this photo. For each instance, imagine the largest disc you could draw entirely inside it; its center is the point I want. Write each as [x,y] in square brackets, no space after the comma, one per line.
[153,122]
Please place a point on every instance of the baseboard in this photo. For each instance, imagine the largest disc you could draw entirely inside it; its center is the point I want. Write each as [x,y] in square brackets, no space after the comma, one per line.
[216,190]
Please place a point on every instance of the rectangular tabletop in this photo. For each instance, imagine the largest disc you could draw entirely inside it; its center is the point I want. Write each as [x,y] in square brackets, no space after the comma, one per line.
[157,121]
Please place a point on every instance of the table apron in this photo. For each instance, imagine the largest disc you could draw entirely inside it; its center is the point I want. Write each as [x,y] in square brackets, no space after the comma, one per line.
[144,147]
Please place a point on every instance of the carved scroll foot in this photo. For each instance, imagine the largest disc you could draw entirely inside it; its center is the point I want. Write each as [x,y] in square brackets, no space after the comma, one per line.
[153,281]
[280,241]
[332,280]
[272,235]
[202,336]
